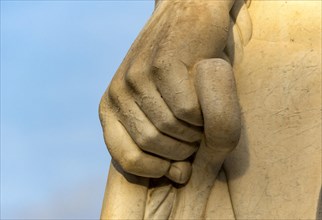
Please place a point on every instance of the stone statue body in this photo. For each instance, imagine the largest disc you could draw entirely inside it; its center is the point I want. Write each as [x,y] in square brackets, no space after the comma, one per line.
[274,172]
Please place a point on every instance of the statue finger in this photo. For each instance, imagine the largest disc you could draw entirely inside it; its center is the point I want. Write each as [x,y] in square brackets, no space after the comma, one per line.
[179,172]
[217,94]
[150,101]
[143,132]
[175,85]
[148,138]
[125,151]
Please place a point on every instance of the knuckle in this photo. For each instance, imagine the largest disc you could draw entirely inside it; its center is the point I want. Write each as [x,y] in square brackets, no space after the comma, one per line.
[152,135]
[185,111]
[142,141]
[105,108]
[130,161]
[113,92]
[179,156]
[148,138]
[165,125]
[131,79]
[187,152]
[102,108]
[134,77]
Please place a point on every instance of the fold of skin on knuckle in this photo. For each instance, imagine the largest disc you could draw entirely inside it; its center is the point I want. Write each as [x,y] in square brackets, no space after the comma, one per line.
[135,163]
[131,81]
[170,127]
[182,152]
[146,140]
[152,142]
[131,163]
[115,92]
[127,161]
[191,137]
[136,76]
[109,104]
[186,111]
[165,124]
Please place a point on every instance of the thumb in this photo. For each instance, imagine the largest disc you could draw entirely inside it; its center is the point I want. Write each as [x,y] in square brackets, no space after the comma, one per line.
[215,87]
[216,90]
[180,171]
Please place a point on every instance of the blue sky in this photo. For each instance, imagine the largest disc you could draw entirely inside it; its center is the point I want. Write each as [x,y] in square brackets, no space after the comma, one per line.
[57,58]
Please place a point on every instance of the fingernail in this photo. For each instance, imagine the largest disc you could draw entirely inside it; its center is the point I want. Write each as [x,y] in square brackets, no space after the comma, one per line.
[175,174]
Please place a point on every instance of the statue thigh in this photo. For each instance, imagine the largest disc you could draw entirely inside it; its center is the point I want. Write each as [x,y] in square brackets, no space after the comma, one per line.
[275,171]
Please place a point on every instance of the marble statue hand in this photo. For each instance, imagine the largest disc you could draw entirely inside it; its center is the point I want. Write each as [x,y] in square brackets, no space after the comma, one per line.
[150,113]
[151,104]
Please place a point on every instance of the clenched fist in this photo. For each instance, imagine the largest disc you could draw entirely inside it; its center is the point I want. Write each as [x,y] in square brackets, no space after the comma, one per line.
[150,113]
